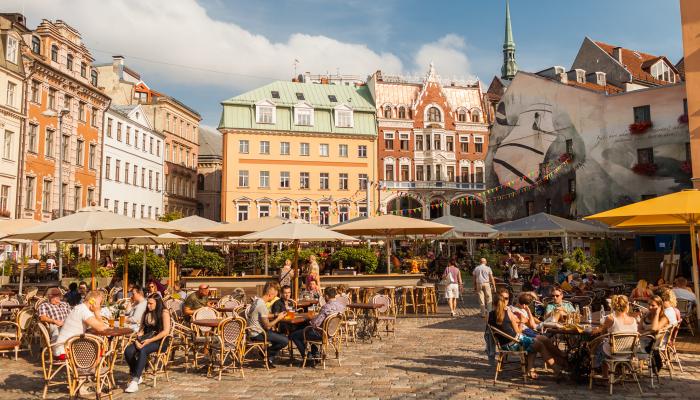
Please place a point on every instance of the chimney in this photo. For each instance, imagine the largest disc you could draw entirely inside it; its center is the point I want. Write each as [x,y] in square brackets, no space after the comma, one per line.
[617,54]
[324,80]
[118,66]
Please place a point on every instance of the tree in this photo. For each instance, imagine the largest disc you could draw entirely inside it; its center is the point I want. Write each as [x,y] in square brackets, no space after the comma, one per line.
[171,216]
[197,257]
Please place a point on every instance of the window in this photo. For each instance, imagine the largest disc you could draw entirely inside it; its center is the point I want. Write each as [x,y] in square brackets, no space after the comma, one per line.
[79,156]
[323,150]
[343,181]
[264,147]
[11,88]
[91,155]
[150,208]
[285,211]
[243,146]
[363,181]
[119,131]
[158,181]
[150,179]
[387,111]
[434,115]
[449,143]
[343,150]
[645,156]
[94,116]
[438,172]
[242,212]
[343,118]
[128,135]
[46,195]
[243,178]
[362,210]
[450,173]
[303,116]
[548,206]
[275,94]
[77,197]
[324,215]
[404,173]
[263,210]
[83,70]
[67,100]
[642,114]
[167,151]
[300,96]
[48,143]
[150,148]
[54,53]
[36,45]
[81,111]
[284,148]
[126,208]
[389,172]
[324,183]
[402,112]
[69,62]
[570,146]
[663,72]
[93,77]
[464,143]
[35,91]
[143,144]
[304,149]
[29,193]
[133,210]
[284,179]
[476,116]
[404,141]
[52,98]
[117,170]
[437,142]
[332,98]
[108,163]
[108,130]
[464,174]
[389,140]
[265,114]
[304,180]
[530,208]
[479,144]
[462,116]
[343,213]
[419,172]
[428,173]
[479,174]
[12,48]
[419,142]
[264,179]
[305,213]
[66,148]
[362,151]
[32,138]
[4,197]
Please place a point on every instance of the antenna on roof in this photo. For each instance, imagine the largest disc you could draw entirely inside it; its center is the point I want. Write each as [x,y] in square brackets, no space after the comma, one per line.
[296,61]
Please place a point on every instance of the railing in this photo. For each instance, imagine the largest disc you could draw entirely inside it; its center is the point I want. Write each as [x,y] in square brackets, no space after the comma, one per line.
[433,185]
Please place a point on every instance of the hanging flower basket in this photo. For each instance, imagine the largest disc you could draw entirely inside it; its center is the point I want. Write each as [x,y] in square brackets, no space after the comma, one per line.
[569,198]
[687,167]
[566,157]
[640,127]
[683,119]
[647,169]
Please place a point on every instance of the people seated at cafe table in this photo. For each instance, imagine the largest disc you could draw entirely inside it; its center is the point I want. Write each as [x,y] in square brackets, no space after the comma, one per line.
[559,307]
[196,300]
[669,304]
[641,292]
[53,312]
[313,289]
[152,290]
[567,285]
[257,318]
[682,291]
[179,291]
[503,319]
[134,315]
[72,296]
[155,327]
[84,316]
[619,321]
[332,306]
[526,319]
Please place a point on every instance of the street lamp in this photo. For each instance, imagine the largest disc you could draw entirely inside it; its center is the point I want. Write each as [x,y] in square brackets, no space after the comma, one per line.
[60,114]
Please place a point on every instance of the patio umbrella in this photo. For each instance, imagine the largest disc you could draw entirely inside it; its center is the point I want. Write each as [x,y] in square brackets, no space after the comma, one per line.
[675,212]
[245,227]
[388,225]
[193,226]
[465,228]
[8,227]
[94,223]
[297,231]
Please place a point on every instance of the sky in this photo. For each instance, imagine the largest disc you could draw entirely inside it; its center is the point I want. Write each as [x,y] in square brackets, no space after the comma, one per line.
[205,51]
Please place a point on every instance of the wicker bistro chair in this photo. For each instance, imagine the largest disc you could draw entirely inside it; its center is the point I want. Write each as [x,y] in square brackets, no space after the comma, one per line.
[502,354]
[158,361]
[671,347]
[260,346]
[229,302]
[227,347]
[200,339]
[330,337]
[12,332]
[386,314]
[87,363]
[50,367]
[183,339]
[348,325]
[623,351]
[7,302]
[659,344]
[20,330]
[688,316]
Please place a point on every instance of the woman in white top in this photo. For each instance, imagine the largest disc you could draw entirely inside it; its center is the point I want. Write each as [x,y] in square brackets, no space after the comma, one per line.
[618,322]
[670,310]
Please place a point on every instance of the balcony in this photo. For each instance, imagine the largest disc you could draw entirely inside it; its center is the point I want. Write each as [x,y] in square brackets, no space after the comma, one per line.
[433,185]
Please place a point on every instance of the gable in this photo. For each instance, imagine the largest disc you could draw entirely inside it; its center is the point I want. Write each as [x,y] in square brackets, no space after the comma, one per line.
[432,95]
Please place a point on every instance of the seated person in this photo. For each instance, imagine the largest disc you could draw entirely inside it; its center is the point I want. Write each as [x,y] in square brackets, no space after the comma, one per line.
[313,289]
[195,301]
[258,323]
[85,315]
[273,300]
[545,289]
[72,296]
[284,304]
[152,290]
[138,306]
[566,285]
[558,308]
[53,312]
[342,290]
[618,322]
[682,291]
[526,319]
[179,292]
[83,290]
[332,306]
[641,292]
[155,327]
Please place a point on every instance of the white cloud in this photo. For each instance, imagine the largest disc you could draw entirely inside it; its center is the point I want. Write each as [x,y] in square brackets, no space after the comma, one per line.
[178,33]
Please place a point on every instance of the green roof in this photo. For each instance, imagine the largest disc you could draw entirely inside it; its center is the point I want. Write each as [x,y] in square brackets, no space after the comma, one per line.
[239,113]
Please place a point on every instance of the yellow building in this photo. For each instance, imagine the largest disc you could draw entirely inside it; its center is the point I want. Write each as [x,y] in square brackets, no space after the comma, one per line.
[298,150]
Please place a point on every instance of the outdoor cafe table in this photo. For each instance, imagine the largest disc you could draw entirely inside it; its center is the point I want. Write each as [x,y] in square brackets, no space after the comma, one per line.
[208,322]
[305,303]
[12,308]
[366,320]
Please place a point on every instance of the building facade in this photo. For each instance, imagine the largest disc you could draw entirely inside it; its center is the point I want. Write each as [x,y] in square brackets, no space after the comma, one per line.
[12,110]
[60,76]
[132,163]
[178,123]
[209,167]
[690,19]
[298,150]
[432,142]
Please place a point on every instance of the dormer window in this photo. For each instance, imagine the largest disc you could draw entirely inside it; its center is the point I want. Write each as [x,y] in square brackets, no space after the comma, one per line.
[12,48]
[303,115]
[54,53]
[462,116]
[402,112]
[663,72]
[600,78]
[265,113]
[275,94]
[300,96]
[93,77]
[36,45]
[476,116]
[434,115]
[343,117]
[580,76]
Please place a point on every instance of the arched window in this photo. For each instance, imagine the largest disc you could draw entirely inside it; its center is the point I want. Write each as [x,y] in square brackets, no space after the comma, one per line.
[69,62]
[54,53]
[387,111]
[402,112]
[434,115]
[462,116]
[476,116]
[83,70]
[93,77]
[36,45]
[200,182]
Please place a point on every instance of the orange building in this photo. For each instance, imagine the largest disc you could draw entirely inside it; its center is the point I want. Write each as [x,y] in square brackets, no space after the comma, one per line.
[60,77]
[690,19]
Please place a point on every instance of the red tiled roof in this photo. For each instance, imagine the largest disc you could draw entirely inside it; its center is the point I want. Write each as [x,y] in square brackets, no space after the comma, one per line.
[636,62]
[609,89]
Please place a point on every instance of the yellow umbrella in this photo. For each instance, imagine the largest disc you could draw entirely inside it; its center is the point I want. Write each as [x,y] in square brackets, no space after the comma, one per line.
[675,212]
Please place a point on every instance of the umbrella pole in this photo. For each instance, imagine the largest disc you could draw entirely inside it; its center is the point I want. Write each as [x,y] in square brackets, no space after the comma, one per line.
[21,268]
[694,253]
[93,261]
[388,255]
[60,262]
[143,274]
[125,272]
[296,269]
[267,260]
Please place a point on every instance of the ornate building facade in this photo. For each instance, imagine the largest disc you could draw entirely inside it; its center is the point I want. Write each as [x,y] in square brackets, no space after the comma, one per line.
[209,168]
[432,143]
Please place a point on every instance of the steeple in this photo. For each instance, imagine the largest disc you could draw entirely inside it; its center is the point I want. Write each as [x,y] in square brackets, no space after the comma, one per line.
[510,67]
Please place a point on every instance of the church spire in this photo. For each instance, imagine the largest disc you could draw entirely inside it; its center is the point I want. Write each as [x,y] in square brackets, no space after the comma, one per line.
[510,67]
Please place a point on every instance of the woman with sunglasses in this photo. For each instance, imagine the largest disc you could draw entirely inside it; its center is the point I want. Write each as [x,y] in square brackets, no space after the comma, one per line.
[152,290]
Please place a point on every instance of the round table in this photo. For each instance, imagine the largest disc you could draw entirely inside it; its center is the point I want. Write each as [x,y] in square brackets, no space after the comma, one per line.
[209,322]
[303,303]
[367,320]
[364,306]
[113,332]
[300,318]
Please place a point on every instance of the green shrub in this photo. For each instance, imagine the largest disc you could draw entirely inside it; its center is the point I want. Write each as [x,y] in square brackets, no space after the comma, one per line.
[277,259]
[360,258]
[492,260]
[171,216]
[84,271]
[197,257]
[577,261]
[155,266]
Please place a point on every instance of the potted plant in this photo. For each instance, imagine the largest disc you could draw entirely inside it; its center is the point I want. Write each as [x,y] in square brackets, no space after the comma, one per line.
[648,169]
[640,127]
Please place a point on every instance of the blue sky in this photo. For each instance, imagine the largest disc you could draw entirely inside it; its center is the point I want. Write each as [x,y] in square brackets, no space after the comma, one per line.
[205,51]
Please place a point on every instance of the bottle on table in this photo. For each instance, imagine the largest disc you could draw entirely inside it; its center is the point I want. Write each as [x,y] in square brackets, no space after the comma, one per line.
[602,315]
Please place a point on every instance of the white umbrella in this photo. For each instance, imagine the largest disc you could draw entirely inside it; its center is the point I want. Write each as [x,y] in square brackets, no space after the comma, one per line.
[10,226]
[193,226]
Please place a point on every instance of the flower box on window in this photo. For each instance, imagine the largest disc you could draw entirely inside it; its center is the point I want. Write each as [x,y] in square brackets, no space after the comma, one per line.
[648,169]
[683,119]
[687,167]
[569,197]
[640,127]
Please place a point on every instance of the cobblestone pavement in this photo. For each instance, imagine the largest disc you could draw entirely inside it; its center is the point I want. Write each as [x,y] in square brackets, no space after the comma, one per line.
[432,357]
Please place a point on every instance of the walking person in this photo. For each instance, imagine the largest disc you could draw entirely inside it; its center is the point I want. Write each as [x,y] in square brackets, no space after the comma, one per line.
[454,285]
[483,284]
